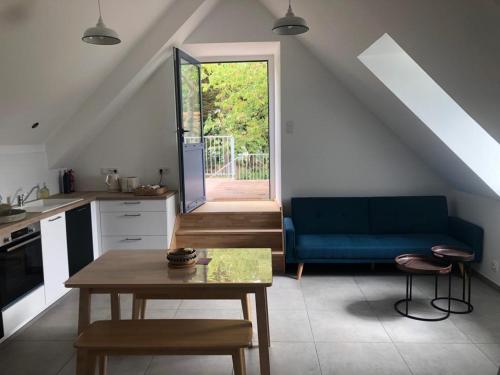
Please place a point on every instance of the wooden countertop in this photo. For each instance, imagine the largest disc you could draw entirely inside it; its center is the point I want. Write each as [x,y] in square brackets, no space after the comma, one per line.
[87,197]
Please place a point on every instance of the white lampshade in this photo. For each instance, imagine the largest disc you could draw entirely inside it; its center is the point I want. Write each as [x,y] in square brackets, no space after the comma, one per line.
[100,34]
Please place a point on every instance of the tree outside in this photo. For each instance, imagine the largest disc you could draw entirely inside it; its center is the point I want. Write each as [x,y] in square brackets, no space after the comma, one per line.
[236,103]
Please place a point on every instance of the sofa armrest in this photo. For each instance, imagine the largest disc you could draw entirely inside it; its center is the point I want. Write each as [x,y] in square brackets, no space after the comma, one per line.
[289,237]
[469,233]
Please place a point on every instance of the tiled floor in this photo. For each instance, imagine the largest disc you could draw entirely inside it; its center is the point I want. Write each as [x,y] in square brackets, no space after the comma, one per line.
[325,324]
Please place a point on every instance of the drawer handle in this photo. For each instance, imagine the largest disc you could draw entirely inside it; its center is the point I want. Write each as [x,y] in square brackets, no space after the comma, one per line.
[132,202]
[56,218]
[132,215]
[133,239]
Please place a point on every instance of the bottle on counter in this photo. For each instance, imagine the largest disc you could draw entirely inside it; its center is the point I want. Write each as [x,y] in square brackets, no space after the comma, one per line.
[66,183]
[44,192]
[71,181]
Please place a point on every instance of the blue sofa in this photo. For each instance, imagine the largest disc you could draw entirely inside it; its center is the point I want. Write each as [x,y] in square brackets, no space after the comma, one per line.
[373,230]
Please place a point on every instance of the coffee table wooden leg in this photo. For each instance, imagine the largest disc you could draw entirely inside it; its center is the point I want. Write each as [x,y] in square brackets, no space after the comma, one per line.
[84,309]
[115,306]
[263,332]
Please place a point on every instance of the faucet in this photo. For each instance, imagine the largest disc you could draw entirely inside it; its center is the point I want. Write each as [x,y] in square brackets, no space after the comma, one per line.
[22,199]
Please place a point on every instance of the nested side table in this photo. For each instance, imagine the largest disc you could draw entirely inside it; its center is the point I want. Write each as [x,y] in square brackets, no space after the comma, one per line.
[413,264]
[463,259]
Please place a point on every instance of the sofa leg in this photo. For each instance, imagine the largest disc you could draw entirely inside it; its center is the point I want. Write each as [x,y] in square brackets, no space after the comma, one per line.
[300,268]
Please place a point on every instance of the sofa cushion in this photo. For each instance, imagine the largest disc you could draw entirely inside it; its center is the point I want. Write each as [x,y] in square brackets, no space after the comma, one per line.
[390,215]
[331,215]
[369,247]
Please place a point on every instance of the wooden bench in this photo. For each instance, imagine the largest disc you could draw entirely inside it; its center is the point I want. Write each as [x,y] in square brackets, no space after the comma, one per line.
[162,337]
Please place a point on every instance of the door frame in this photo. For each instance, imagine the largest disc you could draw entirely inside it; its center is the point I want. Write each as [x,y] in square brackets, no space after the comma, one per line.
[271,86]
[179,54]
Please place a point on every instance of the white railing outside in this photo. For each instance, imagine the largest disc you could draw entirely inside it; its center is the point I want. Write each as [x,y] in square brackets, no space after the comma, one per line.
[252,167]
[221,160]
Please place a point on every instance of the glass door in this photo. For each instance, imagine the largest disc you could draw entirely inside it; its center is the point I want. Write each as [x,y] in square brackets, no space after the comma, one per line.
[189,130]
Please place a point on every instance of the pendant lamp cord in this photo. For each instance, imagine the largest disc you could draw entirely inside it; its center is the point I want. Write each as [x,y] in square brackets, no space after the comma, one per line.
[99,4]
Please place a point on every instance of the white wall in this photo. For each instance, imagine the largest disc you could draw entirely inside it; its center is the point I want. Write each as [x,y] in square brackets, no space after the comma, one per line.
[22,167]
[485,212]
[139,140]
[338,147]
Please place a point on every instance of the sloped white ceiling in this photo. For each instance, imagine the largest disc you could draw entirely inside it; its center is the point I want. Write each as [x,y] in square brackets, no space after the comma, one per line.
[46,71]
[457,42]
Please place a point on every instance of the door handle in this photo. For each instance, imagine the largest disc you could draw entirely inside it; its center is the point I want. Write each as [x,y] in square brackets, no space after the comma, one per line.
[133,239]
[182,131]
[132,215]
[56,218]
[23,244]
[132,202]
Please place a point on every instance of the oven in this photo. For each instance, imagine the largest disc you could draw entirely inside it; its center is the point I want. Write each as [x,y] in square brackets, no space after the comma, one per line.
[21,266]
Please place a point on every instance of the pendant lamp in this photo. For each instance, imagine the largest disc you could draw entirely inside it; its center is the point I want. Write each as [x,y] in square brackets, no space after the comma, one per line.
[100,34]
[290,24]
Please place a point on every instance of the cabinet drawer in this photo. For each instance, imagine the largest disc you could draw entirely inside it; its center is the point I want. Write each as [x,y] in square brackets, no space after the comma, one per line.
[133,205]
[134,242]
[127,223]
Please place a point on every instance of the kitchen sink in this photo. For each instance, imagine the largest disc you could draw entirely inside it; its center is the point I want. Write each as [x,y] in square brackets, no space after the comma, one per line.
[46,205]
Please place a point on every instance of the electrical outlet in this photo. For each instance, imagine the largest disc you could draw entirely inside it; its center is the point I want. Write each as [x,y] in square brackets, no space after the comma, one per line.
[164,170]
[495,266]
[106,171]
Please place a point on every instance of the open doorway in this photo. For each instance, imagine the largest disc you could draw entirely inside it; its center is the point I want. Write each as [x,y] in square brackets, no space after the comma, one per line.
[235,98]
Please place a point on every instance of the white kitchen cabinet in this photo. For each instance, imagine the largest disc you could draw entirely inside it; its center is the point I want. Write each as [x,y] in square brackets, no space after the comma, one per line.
[135,242]
[55,256]
[123,223]
[137,224]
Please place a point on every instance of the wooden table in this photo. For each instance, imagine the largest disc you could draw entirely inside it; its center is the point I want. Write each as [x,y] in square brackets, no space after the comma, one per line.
[231,274]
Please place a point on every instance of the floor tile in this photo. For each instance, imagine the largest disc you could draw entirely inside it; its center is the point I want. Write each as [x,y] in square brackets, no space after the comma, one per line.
[446,359]
[285,299]
[286,282]
[117,365]
[208,304]
[286,359]
[56,324]
[34,357]
[356,359]
[208,314]
[492,351]
[328,298]
[290,326]
[191,365]
[402,329]
[341,325]
[482,329]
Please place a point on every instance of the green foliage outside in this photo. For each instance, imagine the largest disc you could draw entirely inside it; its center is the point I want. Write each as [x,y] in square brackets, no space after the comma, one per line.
[235,102]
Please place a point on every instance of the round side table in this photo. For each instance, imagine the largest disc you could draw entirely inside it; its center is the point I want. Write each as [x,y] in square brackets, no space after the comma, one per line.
[463,259]
[413,264]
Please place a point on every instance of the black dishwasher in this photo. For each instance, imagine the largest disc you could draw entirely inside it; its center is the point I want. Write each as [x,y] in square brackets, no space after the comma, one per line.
[79,234]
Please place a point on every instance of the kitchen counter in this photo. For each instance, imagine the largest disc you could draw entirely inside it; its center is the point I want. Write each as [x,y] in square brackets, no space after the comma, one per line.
[87,197]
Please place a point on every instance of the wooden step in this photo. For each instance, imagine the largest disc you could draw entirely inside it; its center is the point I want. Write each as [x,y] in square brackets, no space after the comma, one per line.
[257,220]
[234,215]
[272,238]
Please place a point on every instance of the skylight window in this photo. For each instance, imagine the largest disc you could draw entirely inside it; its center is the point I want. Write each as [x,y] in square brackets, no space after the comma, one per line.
[435,108]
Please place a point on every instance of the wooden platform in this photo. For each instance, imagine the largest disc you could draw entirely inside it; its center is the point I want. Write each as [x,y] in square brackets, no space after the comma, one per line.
[224,189]
[234,224]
